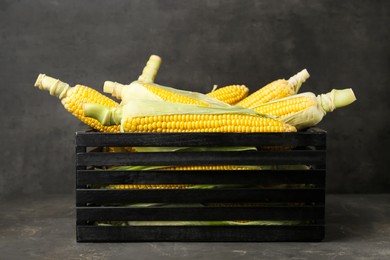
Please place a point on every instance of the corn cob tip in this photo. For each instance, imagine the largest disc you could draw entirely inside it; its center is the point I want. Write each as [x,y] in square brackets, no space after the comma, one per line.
[230,95]
[54,86]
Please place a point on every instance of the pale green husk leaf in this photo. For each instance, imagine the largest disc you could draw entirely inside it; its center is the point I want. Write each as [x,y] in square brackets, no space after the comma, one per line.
[135,91]
[195,149]
[154,108]
[199,223]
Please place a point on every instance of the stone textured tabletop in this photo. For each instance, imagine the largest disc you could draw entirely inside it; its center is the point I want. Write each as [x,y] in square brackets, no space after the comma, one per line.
[357,227]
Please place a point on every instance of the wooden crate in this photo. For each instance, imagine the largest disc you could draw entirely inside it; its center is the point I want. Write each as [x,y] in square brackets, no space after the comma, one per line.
[302,204]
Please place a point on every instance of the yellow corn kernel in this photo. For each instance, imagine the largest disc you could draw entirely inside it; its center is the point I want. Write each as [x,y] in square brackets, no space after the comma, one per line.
[242,123]
[148,186]
[286,107]
[230,94]
[73,98]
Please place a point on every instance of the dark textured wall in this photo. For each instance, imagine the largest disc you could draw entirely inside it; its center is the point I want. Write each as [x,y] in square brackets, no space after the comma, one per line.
[342,44]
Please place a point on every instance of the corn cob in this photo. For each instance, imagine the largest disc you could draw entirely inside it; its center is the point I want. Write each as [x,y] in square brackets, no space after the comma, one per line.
[187,168]
[275,90]
[149,186]
[206,168]
[204,123]
[306,109]
[72,99]
[169,117]
[230,94]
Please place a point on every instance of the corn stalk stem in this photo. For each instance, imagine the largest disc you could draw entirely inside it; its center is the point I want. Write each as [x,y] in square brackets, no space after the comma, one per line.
[149,73]
[113,88]
[54,86]
[298,79]
[105,115]
[336,99]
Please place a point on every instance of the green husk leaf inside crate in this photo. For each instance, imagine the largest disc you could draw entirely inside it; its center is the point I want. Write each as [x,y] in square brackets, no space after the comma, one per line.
[200,223]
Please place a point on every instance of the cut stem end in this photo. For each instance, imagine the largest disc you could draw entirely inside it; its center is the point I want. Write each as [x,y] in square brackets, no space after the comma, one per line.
[343,97]
[113,88]
[105,115]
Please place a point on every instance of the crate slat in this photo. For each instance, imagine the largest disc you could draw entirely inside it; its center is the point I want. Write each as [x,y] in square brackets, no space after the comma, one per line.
[205,213]
[301,233]
[314,137]
[104,177]
[221,195]
[285,157]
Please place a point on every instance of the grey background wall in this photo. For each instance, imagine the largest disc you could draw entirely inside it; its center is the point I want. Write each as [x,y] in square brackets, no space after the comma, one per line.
[342,44]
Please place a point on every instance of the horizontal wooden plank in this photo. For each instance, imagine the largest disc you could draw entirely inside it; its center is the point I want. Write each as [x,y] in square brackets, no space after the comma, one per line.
[314,137]
[104,177]
[200,213]
[299,233]
[283,157]
[104,197]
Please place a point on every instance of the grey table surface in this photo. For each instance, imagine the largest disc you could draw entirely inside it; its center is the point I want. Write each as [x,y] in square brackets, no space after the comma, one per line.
[357,227]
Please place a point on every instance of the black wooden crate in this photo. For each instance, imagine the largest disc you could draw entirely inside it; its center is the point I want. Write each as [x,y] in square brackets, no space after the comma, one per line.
[303,204]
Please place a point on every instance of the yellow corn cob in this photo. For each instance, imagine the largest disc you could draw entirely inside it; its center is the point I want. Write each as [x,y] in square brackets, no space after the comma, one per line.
[306,109]
[285,107]
[206,168]
[73,98]
[149,186]
[162,117]
[204,123]
[275,90]
[230,94]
